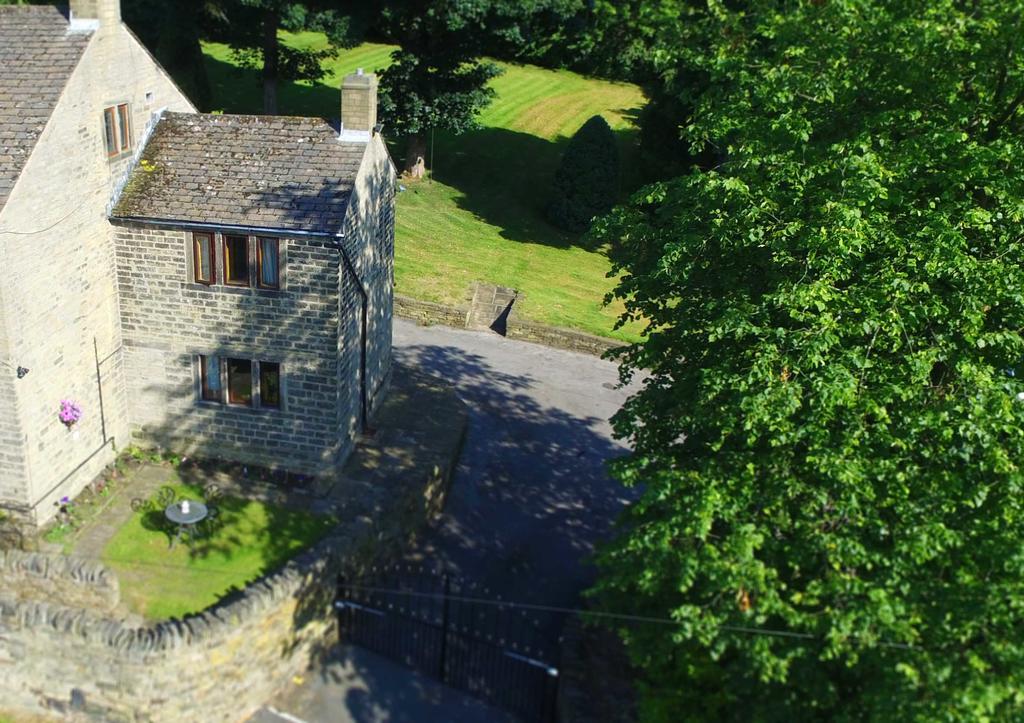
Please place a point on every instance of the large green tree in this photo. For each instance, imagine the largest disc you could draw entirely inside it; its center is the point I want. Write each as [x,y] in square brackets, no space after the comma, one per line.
[830,439]
[438,76]
[252,28]
[171,32]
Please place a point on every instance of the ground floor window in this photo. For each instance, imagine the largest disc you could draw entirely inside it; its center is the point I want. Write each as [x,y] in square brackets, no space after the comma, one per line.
[209,378]
[270,384]
[238,381]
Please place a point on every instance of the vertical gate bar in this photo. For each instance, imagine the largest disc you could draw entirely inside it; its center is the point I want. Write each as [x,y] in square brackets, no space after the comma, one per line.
[445,592]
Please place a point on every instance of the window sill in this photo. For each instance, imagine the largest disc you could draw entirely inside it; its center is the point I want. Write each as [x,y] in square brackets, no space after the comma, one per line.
[207,404]
[237,290]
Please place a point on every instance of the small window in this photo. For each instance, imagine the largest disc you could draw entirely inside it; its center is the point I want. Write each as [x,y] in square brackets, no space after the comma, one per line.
[240,381]
[270,385]
[203,258]
[267,261]
[110,131]
[124,127]
[236,260]
[117,129]
[209,376]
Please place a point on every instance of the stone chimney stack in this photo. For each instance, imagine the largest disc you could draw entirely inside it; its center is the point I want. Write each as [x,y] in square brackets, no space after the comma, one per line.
[358,106]
[108,12]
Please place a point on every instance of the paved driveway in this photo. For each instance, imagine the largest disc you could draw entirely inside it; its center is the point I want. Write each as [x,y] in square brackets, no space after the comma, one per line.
[529,500]
[531,495]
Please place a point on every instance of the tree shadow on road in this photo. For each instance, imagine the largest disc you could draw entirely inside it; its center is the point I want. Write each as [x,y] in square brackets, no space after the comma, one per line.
[531,495]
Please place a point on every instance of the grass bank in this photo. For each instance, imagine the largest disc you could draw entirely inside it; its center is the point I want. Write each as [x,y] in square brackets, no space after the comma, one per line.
[481,215]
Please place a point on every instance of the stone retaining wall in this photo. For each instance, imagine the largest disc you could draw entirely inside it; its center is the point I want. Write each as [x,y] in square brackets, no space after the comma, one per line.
[58,579]
[429,313]
[558,337]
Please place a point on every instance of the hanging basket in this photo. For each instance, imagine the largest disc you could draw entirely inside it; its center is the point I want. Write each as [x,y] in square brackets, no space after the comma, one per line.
[70,412]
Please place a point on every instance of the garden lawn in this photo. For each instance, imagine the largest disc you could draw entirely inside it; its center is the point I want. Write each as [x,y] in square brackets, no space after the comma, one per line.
[253,539]
[481,216]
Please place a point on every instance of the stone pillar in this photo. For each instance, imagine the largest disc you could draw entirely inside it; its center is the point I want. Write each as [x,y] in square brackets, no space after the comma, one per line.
[358,105]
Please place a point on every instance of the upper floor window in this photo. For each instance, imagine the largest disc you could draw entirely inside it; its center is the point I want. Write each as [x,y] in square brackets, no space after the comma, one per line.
[236,260]
[268,276]
[117,129]
[246,260]
[204,258]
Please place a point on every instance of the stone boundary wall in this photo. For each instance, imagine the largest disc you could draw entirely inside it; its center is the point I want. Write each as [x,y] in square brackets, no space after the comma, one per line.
[59,579]
[429,313]
[558,337]
[219,665]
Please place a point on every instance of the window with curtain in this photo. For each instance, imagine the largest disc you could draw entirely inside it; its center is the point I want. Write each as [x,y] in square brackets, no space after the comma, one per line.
[270,385]
[236,260]
[239,376]
[209,377]
[268,261]
[239,381]
[203,258]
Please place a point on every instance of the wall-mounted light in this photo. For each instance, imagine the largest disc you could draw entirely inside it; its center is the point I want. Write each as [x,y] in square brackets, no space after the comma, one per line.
[19,370]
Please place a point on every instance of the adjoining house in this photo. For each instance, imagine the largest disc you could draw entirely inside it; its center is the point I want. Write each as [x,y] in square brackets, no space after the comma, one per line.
[215,284]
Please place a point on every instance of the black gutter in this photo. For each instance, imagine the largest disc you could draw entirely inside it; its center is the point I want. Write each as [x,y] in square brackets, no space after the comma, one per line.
[202,226]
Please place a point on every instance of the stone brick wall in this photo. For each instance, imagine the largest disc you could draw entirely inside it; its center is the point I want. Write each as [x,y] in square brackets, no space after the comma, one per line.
[219,665]
[57,579]
[167,320]
[558,337]
[369,242]
[428,313]
[59,309]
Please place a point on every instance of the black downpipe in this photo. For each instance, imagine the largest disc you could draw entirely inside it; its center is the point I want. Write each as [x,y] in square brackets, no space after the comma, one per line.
[363,404]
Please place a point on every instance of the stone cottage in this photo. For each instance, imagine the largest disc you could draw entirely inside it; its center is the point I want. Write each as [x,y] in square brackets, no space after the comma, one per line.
[215,284]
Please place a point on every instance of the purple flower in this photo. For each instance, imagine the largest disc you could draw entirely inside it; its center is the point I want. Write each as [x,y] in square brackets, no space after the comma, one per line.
[70,412]
[65,499]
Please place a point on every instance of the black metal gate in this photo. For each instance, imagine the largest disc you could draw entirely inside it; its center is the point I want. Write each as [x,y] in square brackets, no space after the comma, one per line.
[456,632]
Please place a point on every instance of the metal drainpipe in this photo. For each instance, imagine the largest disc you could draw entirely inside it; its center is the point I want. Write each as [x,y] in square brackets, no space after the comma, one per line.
[363,405]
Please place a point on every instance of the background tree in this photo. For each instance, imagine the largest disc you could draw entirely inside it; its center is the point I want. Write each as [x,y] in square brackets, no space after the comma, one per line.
[831,435]
[586,183]
[251,28]
[171,32]
[438,77]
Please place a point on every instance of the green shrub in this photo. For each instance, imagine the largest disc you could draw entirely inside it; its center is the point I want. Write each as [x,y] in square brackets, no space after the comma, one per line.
[587,183]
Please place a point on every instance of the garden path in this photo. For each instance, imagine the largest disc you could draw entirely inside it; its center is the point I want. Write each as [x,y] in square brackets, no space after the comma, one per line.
[96,533]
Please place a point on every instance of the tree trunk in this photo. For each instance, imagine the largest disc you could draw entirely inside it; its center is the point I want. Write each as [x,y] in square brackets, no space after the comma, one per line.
[415,155]
[271,21]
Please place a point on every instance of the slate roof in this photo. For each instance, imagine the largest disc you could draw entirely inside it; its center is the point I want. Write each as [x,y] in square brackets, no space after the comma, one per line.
[37,56]
[272,172]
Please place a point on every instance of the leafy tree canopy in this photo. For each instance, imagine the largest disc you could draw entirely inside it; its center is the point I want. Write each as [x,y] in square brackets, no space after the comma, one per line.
[251,28]
[438,78]
[830,439]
